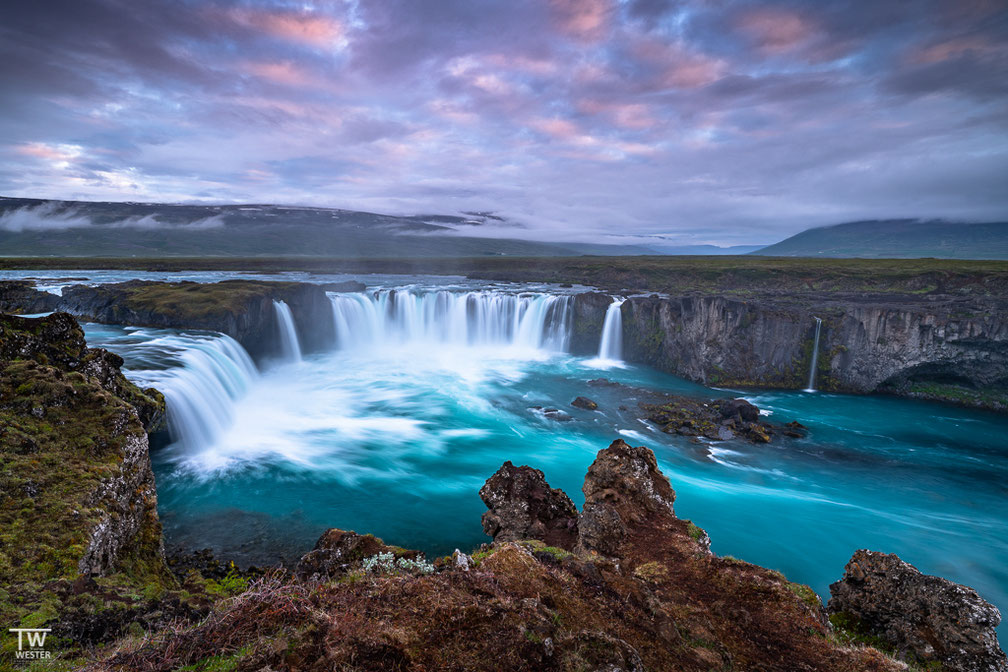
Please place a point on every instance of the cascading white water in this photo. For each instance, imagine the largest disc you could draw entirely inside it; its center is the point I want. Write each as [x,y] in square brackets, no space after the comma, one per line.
[537,321]
[215,371]
[611,345]
[815,356]
[290,346]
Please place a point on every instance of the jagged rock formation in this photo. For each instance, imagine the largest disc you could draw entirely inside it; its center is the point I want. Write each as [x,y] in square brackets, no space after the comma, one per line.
[926,618]
[656,599]
[522,506]
[75,454]
[623,489]
[242,309]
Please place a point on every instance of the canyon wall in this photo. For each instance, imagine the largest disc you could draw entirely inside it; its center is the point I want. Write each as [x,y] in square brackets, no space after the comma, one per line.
[949,350]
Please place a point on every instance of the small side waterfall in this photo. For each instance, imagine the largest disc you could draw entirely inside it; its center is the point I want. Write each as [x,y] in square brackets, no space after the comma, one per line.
[815,356]
[611,346]
[391,317]
[290,346]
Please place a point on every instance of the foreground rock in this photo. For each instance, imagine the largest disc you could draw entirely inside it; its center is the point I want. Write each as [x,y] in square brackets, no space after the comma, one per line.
[655,600]
[74,452]
[925,618]
[522,506]
[242,309]
[623,490]
[338,551]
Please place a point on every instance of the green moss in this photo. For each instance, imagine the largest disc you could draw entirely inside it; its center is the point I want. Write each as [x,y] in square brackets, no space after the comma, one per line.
[535,545]
[231,584]
[695,532]
[222,663]
[806,594]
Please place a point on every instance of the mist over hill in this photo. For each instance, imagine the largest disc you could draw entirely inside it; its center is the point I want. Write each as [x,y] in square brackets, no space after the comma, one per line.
[34,227]
[897,239]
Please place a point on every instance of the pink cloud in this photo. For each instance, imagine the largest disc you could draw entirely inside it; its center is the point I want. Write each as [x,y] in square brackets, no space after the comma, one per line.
[306,28]
[677,66]
[634,116]
[57,153]
[558,128]
[283,72]
[973,44]
[583,20]
[776,30]
[519,62]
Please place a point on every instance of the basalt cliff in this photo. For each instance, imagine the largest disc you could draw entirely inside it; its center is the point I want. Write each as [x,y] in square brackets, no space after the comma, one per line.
[945,349]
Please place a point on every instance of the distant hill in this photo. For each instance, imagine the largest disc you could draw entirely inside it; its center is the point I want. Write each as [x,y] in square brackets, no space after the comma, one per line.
[897,239]
[33,227]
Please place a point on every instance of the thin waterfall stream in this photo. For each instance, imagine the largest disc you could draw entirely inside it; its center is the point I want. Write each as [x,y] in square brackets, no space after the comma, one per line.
[815,356]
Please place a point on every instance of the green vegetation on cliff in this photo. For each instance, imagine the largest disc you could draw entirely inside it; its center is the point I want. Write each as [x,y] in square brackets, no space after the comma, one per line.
[76,492]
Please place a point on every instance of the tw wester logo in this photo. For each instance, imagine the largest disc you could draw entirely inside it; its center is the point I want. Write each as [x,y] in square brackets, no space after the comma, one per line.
[31,644]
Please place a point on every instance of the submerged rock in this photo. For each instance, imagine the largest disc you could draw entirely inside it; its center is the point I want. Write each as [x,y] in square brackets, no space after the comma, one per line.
[523,506]
[739,409]
[922,617]
[585,403]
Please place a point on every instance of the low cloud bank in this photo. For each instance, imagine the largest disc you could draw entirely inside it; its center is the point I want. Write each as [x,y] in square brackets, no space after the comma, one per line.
[55,217]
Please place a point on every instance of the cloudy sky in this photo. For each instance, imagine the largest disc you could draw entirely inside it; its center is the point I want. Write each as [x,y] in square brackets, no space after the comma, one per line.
[705,121]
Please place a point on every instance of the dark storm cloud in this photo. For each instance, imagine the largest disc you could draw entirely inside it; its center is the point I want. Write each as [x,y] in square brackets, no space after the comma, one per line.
[701,121]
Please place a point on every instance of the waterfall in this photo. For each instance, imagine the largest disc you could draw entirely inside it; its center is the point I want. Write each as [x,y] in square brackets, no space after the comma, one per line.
[200,394]
[611,346]
[390,317]
[815,356]
[290,347]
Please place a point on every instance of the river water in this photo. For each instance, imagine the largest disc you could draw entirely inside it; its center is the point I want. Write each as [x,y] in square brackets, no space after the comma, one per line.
[430,387]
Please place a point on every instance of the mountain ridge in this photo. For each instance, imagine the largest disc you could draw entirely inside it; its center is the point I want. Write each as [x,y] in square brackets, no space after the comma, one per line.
[897,239]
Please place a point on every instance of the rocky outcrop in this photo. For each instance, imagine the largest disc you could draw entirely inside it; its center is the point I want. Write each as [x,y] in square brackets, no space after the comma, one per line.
[58,341]
[623,488]
[924,618]
[904,345]
[661,601]
[523,506]
[585,403]
[715,419]
[242,309]
[20,296]
[75,454]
